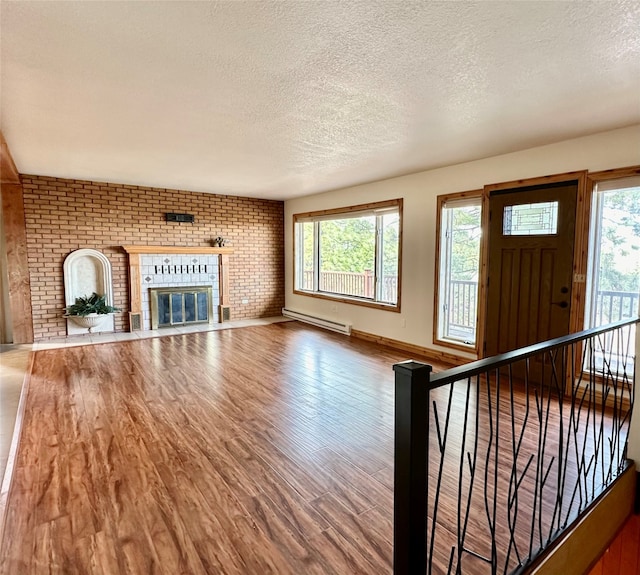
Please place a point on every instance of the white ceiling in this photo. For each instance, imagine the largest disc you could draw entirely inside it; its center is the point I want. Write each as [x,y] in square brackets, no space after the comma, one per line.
[282,99]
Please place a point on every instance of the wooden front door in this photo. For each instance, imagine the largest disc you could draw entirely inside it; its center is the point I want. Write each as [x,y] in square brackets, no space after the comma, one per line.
[531,245]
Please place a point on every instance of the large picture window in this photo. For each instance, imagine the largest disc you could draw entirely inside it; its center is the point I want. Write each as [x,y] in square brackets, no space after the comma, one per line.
[459,232]
[613,280]
[351,253]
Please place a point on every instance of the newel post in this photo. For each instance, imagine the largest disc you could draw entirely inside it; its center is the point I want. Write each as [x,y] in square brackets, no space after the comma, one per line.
[410,468]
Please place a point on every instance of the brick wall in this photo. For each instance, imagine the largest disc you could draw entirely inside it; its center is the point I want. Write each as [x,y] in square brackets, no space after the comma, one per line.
[65,215]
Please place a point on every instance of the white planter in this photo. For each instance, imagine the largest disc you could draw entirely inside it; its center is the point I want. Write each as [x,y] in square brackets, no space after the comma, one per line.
[90,321]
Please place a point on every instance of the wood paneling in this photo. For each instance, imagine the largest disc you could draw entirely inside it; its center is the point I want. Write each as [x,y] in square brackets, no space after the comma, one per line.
[135,280]
[580,256]
[15,244]
[484,274]
[223,275]
[8,171]
[19,283]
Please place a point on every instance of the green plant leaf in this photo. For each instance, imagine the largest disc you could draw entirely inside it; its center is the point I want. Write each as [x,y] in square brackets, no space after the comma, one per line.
[94,303]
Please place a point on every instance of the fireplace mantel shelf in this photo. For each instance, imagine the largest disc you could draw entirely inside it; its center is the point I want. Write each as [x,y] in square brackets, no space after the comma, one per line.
[176,250]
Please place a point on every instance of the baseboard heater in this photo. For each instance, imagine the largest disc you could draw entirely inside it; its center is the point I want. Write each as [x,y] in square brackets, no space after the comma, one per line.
[318,321]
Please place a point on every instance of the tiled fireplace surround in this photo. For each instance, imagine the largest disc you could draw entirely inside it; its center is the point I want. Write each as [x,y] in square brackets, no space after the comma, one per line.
[164,266]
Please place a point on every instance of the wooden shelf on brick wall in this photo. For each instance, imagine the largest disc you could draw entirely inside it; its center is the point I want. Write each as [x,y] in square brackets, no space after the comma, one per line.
[176,250]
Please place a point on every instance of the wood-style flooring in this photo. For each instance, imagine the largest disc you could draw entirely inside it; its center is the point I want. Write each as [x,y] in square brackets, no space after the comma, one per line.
[261,450]
[252,451]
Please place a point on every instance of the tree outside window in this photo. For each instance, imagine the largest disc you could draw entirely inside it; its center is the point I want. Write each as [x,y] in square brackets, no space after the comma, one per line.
[459,229]
[353,253]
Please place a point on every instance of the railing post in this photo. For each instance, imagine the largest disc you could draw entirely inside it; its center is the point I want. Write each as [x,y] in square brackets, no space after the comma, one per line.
[410,468]
[368,283]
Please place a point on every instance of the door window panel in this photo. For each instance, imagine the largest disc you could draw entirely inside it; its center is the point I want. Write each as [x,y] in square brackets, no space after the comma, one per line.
[531,219]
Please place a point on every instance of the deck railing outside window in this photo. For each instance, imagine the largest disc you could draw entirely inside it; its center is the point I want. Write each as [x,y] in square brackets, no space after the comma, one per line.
[496,459]
[610,306]
[460,320]
[615,306]
[355,284]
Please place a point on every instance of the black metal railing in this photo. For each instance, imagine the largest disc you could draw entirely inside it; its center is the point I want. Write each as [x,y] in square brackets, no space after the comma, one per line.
[494,460]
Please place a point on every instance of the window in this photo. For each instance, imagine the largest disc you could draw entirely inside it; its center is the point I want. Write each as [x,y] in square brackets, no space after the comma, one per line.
[613,288]
[351,254]
[614,262]
[531,219]
[459,231]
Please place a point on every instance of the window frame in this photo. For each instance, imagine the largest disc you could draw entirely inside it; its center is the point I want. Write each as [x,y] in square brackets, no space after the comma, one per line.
[600,188]
[601,183]
[319,215]
[441,201]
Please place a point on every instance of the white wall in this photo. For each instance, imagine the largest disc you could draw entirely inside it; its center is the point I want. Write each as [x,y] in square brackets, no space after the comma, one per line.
[614,149]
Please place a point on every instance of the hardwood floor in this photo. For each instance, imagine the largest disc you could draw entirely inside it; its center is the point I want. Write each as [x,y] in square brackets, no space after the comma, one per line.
[14,360]
[261,450]
[258,450]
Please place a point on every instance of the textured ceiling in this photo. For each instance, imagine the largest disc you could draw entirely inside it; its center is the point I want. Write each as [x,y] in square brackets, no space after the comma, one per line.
[282,99]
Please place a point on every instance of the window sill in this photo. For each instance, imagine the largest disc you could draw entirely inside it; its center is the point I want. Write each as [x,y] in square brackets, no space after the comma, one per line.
[459,345]
[350,300]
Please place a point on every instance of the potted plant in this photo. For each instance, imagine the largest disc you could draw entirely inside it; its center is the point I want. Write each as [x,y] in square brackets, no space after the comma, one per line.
[89,311]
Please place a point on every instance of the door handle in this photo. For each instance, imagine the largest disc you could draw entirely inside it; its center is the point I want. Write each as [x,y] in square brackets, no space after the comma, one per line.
[562,304]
